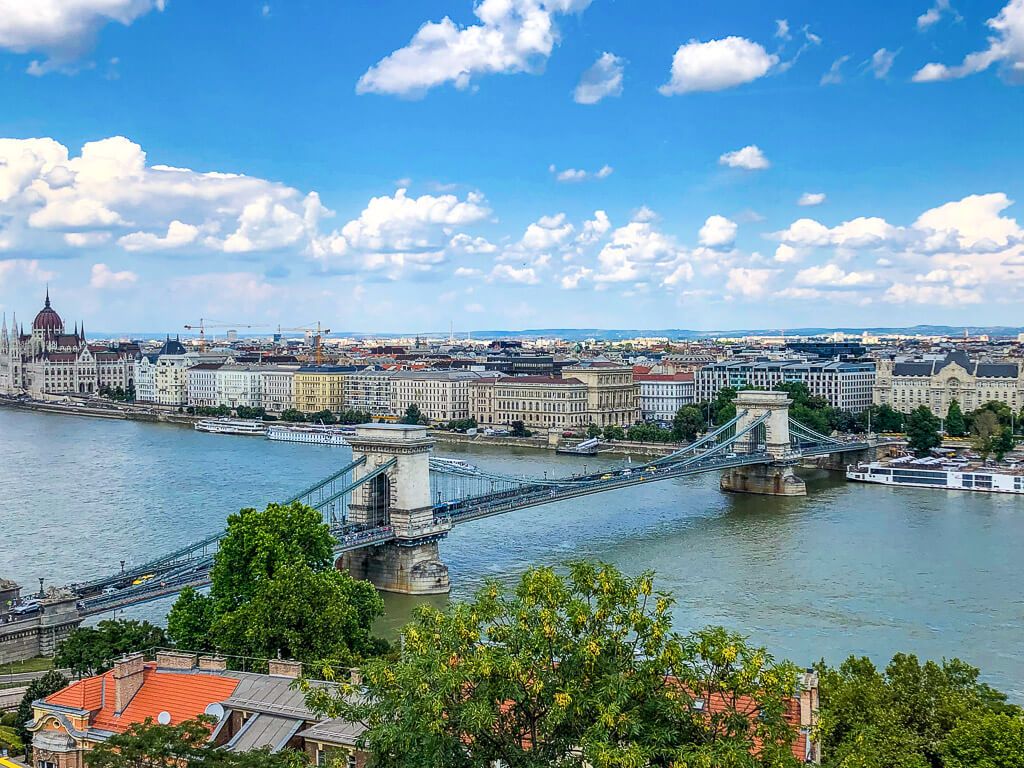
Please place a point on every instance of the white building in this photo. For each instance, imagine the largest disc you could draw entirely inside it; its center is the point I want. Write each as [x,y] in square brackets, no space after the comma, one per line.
[277,387]
[441,395]
[369,391]
[906,384]
[844,385]
[202,385]
[662,394]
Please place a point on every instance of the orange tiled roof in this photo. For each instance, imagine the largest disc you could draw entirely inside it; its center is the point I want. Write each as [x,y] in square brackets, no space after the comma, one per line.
[184,696]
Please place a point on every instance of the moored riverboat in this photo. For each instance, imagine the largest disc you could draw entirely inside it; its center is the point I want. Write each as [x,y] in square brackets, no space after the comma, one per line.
[319,434]
[939,473]
[232,427]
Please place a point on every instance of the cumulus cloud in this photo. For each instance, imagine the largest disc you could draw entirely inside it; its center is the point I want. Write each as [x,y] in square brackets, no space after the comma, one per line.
[63,30]
[509,274]
[578,174]
[935,13]
[832,276]
[808,199]
[602,79]
[717,232]
[103,277]
[750,283]
[547,232]
[178,234]
[716,65]
[786,253]
[1005,48]
[512,36]
[638,251]
[594,229]
[750,158]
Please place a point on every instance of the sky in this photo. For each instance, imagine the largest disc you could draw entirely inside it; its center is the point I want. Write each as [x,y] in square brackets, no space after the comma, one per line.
[416,165]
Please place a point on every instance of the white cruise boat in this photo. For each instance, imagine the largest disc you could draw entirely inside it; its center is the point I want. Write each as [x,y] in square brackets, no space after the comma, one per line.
[321,434]
[446,463]
[938,473]
[232,427]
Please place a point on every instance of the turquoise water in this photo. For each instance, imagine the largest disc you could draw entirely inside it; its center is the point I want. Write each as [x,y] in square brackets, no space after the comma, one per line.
[848,569]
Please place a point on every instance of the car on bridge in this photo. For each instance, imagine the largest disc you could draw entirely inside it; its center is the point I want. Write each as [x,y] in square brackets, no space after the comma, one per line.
[142,579]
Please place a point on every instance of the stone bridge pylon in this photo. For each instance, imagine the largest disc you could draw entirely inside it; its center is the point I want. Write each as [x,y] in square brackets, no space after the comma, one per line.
[398,496]
[777,478]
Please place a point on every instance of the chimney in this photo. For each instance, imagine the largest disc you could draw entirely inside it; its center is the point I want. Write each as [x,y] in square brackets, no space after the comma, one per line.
[213,663]
[284,668]
[128,675]
[175,660]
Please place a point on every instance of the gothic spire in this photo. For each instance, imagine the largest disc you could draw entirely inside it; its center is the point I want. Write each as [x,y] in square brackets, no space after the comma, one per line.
[47,295]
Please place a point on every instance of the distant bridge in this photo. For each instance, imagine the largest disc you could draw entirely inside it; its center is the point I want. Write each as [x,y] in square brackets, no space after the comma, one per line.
[389,506]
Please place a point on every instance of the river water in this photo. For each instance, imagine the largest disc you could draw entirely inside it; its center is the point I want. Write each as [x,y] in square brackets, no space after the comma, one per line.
[849,569]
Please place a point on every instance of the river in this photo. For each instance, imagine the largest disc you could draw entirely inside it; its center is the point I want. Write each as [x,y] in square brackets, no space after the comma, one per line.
[851,568]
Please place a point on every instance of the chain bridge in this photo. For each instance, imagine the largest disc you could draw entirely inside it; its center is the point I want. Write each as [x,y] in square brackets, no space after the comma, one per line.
[391,505]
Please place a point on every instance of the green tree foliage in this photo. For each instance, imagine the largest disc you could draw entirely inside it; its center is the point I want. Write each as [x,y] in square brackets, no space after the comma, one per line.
[905,716]
[89,650]
[220,411]
[593,430]
[519,429]
[274,590]
[352,416]
[461,425]
[568,671]
[649,433]
[810,410]
[1003,443]
[293,415]
[922,431]
[323,417]
[955,424]
[984,431]
[985,740]
[39,688]
[1002,412]
[245,412]
[613,432]
[687,423]
[883,418]
[150,745]
[413,415]
[723,407]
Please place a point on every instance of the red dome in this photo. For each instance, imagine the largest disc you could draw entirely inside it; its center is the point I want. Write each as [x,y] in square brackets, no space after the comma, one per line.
[48,319]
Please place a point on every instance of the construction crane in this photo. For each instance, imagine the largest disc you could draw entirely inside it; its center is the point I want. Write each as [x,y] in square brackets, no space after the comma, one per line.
[205,323]
[316,331]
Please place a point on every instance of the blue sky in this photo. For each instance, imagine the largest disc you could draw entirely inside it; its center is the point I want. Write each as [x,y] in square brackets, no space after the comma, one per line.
[565,163]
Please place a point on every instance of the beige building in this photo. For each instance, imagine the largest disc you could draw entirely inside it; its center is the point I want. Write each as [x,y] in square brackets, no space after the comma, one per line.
[320,387]
[277,388]
[612,395]
[369,391]
[442,396]
[905,385]
[540,402]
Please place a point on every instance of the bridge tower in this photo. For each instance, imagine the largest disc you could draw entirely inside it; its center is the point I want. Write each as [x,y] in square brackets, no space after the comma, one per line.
[399,497]
[776,478]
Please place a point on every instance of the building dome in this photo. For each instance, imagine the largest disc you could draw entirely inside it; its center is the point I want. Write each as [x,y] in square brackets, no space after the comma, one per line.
[48,320]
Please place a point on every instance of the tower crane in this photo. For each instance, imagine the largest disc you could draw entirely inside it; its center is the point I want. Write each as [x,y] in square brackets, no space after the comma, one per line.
[317,336]
[204,323]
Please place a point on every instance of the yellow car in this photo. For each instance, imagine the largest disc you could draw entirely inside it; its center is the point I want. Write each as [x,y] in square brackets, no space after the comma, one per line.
[142,579]
[606,477]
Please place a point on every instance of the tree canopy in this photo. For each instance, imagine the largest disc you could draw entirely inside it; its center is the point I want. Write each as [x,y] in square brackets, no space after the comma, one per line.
[274,590]
[39,688]
[687,423]
[956,426]
[922,431]
[413,415]
[90,650]
[569,671]
[913,715]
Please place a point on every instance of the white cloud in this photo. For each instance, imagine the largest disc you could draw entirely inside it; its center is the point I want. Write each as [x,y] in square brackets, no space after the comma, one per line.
[594,229]
[573,277]
[717,232]
[474,245]
[881,62]
[512,36]
[936,12]
[395,233]
[862,232]
[808,199]
[750,283]
[832,276]
[86,239]
[716,65]
[638,251]
[602,79]
[578,174]
[103,277]
[63,30]
[1005,48]
[786,253]
[750,158]
[973,221]
[178,234]
[782,29]
[29,270]
[509,274]
[547,232]
[834,74]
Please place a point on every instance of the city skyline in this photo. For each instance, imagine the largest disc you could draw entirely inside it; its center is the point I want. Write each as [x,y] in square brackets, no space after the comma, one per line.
[525,164]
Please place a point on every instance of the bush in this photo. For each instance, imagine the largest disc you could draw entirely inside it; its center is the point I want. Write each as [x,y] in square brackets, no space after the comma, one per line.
[9,739]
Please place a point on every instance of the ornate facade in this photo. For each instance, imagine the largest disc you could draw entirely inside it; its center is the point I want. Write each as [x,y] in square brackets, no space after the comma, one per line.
[50,361]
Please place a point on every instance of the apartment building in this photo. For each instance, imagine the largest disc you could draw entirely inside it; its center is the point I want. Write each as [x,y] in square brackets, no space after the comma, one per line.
[369,391]
[845,385]
[662,394]
[906,384]
[320,387]
[612,395]
[277,387]
[441,395]
[540,402]
[201,385]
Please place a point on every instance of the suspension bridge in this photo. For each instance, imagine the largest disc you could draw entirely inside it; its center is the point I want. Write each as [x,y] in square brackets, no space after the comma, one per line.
[390,506]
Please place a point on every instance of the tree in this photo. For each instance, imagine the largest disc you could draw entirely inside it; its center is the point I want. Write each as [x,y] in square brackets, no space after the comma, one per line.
[323,417]
[613,432]
[955,424]
[593,430]
[245,412]
[90,650]
[572,670]
[39,688]
[413,415]
[519,429]
[985,740]
[687,423]
[1003,443]
[902,716]
[293,415]
[922,431]
[723,407]
[274,590]
[351,416]
[150,745]
[881,418]
[984,431]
